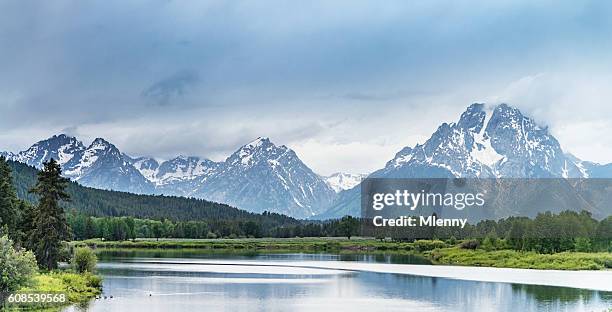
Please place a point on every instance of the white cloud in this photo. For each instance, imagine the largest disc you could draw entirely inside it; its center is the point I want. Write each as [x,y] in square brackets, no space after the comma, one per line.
[575,105]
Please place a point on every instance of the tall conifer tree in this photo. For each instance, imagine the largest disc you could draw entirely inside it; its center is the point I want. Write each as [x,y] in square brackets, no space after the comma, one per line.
[49,224]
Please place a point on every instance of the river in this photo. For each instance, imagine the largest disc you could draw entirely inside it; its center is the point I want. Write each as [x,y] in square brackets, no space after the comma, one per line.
[203,281]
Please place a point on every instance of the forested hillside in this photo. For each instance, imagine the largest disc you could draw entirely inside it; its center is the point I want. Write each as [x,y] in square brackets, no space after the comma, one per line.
[100,203]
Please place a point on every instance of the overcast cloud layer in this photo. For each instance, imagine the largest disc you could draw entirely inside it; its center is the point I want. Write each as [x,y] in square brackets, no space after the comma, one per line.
[344,83]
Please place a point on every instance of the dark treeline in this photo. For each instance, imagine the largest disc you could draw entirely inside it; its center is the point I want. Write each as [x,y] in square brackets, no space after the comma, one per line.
[546,233]
[124,228]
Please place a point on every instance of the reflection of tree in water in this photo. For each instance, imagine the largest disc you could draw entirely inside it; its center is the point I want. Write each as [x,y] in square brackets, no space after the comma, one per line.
[562,294]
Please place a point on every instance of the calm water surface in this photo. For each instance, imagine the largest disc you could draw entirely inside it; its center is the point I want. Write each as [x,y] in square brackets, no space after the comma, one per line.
[164,281]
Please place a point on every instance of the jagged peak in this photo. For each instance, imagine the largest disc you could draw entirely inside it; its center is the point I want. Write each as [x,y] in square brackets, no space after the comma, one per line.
[486,137]
[506,106]
[473,118]
[259,141]
[62,138]
[508,112]
[100,141]
[260,144]
[100,144]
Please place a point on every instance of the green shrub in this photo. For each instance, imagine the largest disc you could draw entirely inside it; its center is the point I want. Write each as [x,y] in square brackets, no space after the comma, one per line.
[489,243]
[16,266]
[84,260]
[94,281]
[426,245]
[452,241]
[582,244]
[77,287]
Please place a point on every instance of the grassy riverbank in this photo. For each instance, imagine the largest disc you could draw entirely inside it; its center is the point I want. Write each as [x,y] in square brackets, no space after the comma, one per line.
[438,252]
[522,260]
[77,289]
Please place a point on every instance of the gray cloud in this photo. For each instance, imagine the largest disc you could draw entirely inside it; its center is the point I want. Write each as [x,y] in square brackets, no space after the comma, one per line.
[166,91]
[384,74]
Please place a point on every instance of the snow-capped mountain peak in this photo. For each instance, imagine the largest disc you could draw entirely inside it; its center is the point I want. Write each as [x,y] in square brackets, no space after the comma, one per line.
[275,174]
[62,148]
[101,144]
[97,152]
[255,152]
[258,142]
[490,142]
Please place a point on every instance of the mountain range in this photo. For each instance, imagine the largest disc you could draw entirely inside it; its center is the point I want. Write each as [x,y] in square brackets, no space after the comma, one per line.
[485,142]
[259,176]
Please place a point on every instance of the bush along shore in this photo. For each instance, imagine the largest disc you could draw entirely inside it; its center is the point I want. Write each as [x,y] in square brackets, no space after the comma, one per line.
[58,289]
[486,252]
[27,288]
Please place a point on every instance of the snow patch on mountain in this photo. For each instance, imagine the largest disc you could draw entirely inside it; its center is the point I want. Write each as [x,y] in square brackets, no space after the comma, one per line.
[482,151]
[184,168]
[147,166]
[90,156]
[341,181]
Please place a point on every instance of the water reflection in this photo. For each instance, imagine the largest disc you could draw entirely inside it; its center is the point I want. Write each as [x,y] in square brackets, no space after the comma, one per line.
[142,284]
[396,258]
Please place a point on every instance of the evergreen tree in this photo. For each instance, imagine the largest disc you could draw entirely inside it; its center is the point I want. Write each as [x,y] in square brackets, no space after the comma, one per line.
[49,224]
[349,226]
[8,199]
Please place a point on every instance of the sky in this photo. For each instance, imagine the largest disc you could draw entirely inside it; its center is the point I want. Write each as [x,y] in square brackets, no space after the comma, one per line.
[346,84]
